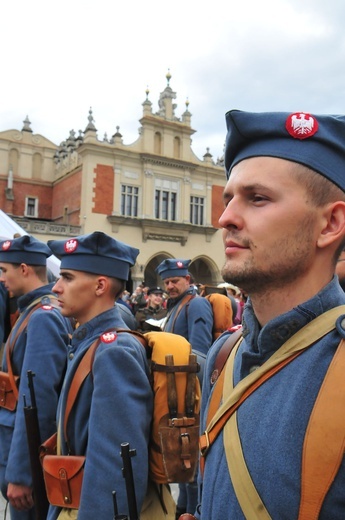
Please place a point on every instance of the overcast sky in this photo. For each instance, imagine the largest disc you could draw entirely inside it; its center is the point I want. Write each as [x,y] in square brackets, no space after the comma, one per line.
[58,59]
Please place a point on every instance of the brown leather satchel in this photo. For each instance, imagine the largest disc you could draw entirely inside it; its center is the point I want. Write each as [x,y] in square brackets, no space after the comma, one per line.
[8,394]
[63,477]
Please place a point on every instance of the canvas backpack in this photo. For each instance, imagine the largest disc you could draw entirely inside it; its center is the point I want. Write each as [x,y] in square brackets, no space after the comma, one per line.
[174,446]
[221,309]
[173,449]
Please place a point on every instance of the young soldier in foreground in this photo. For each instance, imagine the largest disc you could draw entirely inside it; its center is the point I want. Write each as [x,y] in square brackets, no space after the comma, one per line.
[280,454]
[37,342]
[114,403]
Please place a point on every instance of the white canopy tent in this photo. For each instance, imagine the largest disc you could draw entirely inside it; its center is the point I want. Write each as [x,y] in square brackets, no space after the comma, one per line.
[8,227]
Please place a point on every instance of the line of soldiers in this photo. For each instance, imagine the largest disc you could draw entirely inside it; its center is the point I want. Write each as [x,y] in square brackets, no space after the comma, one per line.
[272,424]
[44,342]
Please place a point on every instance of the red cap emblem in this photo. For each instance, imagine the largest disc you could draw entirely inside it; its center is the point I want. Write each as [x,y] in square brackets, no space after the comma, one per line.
[108,337]
[71,245]
[179,264]
[301,125]
[6,245]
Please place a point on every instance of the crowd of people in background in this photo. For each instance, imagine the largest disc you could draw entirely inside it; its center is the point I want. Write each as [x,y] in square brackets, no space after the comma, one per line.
[147,303]
[144,303]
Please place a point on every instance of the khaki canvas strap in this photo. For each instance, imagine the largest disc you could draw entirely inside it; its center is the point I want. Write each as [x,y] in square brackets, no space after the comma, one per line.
[304,338]
[324,443]
[245,490]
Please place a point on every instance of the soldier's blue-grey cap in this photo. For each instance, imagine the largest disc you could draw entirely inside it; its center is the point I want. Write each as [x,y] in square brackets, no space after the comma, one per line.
[316,141]
[95,253]
[25,249]
[171,267]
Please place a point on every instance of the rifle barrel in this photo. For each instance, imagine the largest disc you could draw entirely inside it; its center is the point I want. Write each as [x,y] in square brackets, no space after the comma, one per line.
[34,442]
[127,471]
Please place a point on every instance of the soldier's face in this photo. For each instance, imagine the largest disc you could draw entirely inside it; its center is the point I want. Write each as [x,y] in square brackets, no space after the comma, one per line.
[76,292]
[270,228]
[10,275]
[176,285]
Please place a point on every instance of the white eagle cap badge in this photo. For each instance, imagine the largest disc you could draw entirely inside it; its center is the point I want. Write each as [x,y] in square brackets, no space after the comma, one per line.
[71,245]
[301,125]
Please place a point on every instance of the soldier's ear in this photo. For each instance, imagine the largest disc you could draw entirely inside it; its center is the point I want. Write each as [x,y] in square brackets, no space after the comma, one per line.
[102,284]
[25,269]
[332,230]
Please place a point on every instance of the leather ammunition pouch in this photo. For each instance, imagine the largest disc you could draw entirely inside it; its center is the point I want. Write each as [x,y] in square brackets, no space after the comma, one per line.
[8,395]
[63,475]
[183,432]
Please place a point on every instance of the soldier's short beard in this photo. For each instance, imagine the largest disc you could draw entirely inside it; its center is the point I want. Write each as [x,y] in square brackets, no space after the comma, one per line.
[289,260]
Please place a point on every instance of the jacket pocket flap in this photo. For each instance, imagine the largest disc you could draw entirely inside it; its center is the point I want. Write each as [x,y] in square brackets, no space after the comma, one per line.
[63,467]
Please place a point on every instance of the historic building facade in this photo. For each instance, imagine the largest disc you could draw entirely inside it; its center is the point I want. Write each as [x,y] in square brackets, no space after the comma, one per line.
[154,194]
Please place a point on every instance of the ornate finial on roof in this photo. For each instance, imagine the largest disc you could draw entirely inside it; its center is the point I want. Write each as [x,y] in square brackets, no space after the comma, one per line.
[27,123]
[90,125]
[147,103]
[117,133]
[168,77]
[71,141]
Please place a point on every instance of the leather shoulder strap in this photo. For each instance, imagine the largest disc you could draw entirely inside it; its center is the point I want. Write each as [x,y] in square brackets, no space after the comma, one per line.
[83,370]
[36,304]
[224,353]
[185,301]
[217,377]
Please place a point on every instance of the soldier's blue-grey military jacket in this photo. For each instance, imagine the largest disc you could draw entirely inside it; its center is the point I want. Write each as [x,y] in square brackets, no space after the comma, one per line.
[194,322]
[114,406]
[41,348]
[272,422]
[3,300]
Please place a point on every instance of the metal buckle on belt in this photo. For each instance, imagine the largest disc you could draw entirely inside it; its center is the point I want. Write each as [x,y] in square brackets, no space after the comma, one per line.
[204,450]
